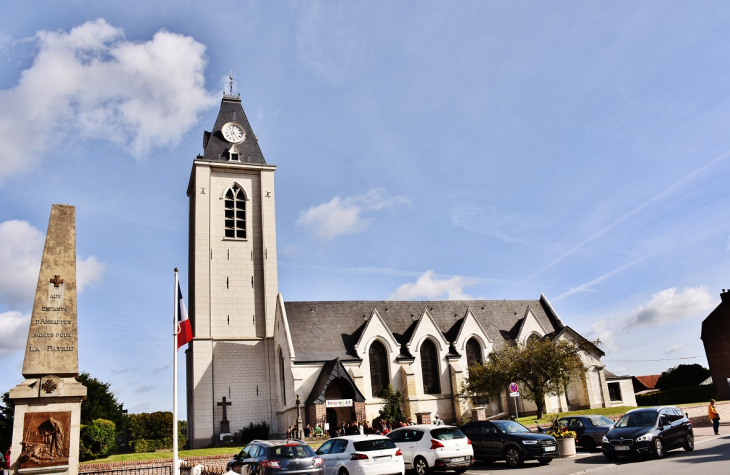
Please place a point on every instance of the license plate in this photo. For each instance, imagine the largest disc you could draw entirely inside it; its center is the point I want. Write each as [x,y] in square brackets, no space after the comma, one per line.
[622,447]
[457,459]
[380,459]
[549,449]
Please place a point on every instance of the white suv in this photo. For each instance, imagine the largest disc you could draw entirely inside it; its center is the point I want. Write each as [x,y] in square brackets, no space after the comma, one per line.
[431,447]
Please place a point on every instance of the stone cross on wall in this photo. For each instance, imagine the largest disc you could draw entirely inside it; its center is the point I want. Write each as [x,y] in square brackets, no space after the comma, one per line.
[225,429]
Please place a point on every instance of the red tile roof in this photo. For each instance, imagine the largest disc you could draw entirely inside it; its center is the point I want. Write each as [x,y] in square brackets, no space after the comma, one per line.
[648,381]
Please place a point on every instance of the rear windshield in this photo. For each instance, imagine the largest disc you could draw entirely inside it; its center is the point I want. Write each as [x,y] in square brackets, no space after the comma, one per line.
[292,452]
[447,434]
[375,444]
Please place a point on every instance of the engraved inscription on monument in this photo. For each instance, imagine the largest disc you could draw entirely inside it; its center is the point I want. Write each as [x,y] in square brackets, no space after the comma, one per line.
[45,440]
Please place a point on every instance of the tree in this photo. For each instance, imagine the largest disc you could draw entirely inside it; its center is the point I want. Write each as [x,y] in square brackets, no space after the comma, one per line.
[100,402]
[542,367]
[98,439]
[391,410]
[7,417]
[682,376]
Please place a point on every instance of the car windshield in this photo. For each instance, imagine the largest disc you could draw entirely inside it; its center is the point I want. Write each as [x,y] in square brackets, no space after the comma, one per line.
[510,427]
[292,451]
[600,420]
[375,444]
[637,419]
[447,434]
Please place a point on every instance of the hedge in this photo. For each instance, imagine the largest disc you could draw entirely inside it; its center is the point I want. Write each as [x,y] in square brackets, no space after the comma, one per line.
[97,439]
[260,430]
[153,445]
[685,395]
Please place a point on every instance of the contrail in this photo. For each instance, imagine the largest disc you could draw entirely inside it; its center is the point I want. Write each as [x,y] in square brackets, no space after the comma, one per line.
[671,189]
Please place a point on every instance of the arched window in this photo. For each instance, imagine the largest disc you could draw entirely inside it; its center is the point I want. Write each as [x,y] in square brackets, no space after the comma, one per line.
[235,210]
[378,368]
[473,352]
[533,338]
[430,368]
[281,378]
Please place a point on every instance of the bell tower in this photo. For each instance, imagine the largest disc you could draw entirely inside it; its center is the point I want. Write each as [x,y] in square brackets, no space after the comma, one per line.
[232,280]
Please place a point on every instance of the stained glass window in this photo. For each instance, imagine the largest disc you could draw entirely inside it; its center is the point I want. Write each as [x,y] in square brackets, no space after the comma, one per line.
[378,368]
[473,352]
[430,368]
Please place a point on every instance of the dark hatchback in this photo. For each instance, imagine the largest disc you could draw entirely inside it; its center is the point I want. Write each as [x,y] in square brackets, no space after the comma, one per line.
[277,457]
[650,431]
[510,441]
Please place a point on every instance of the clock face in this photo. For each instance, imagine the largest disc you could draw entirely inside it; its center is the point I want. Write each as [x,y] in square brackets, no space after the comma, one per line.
[233,132]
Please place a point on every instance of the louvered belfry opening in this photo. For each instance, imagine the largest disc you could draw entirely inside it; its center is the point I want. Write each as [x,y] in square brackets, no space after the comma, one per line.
[235,211]
[430,368]
[378,368]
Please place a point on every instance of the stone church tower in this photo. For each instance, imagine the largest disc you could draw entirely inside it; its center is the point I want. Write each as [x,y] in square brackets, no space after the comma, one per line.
[232,280]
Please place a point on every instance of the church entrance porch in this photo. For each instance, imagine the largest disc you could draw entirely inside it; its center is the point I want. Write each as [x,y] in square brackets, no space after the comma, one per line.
[334,398]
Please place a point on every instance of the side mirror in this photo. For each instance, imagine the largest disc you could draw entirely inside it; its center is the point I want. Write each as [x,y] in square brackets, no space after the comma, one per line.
[686,414]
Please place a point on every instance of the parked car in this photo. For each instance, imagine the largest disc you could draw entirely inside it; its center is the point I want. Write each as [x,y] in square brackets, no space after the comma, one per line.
[361,455]
[430,447]
[649,431]
[589,430]
[277,457]
[511,441]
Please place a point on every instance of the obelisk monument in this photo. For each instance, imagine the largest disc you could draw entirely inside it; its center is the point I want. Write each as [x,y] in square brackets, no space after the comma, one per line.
[48,402]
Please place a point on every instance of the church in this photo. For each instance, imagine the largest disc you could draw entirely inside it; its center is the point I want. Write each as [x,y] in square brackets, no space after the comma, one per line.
[254,354]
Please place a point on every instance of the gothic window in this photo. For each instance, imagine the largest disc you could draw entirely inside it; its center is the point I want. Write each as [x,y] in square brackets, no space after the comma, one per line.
[533,338]
[235,211]
[281,378]
[378,368]
[430,368]
[473,352]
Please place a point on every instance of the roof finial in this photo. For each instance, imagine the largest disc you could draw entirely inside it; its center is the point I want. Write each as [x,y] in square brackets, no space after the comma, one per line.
[230,83]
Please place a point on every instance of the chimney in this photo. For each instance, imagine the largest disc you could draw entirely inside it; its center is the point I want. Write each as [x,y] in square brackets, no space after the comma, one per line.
[725,295]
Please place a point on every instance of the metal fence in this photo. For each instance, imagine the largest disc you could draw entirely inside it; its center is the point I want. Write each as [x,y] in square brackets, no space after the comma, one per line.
[149,470]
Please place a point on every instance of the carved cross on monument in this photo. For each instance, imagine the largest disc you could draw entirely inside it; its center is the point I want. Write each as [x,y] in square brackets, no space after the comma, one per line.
[225,429]
[56,281]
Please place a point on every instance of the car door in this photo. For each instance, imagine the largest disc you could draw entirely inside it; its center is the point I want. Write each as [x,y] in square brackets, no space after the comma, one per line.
[242,455]
[576,425]
[473,431]
[338,453]
[493,440]
[250,462]
[668,431]
[407,441]
[329,461]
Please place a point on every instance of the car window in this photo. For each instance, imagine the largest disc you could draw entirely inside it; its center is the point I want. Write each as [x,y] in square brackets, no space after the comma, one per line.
[471,431]
[600,420]
[373,444]
[510,427]
[411,435]
[637,419]
[447,434]
[292,451]
[254,452]
[396,436]
[339,446]
[326,447]
[488,429]
[244,454]
[575,424]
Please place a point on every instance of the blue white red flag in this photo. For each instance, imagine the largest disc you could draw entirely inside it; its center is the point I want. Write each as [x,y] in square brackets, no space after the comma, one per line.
[184,330]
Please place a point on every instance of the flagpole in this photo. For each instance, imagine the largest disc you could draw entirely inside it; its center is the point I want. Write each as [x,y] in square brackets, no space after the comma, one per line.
[175,331]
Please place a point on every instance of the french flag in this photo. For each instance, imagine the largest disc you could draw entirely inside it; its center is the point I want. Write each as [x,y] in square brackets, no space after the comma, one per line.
[184,331]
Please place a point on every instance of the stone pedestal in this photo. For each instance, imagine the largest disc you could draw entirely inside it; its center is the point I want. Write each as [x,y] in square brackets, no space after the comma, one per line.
[423,417]
[566,447]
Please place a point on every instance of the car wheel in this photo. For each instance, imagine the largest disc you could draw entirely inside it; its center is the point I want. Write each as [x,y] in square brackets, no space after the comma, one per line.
[658,448]
[421,466]
[343,471]
[545,461]
[513,457]
[689,443]
[588,444]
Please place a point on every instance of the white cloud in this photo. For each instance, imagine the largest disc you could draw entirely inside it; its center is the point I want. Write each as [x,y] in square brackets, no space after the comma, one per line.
[14,329]
[600,331]
[429,287]
[345,216]
[92,83]
[669,306]
[20,261]
[674,349]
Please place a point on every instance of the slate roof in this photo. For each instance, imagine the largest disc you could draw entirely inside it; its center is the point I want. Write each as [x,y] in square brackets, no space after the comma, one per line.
[323,331]
[216,147]
[330,371]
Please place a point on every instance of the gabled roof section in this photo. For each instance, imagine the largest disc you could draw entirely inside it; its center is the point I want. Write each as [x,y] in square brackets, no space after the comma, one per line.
[469,317]
[376,323]
[216,148]
[584,340]
[427,319]
[528,324]
[330,371]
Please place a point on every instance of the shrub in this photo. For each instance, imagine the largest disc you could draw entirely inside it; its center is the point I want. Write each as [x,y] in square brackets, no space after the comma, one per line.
[153,445]
[259,430]
[97,439]
[685,395]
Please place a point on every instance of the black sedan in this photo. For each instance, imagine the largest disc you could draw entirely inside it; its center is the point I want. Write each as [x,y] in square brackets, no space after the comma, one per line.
[650,431]
[510,441]
[589,430]
[276,457]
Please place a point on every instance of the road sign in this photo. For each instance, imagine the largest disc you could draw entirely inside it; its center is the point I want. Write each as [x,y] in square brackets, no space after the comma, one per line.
[514,394]
[513,388]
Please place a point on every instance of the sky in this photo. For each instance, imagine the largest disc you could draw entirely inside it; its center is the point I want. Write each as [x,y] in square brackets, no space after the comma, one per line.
[424,150]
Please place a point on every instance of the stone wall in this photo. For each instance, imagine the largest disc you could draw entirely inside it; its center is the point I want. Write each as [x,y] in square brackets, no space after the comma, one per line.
[212,464]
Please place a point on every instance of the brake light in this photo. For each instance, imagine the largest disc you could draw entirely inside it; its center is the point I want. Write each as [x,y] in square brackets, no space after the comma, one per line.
[317,461]
[398,452]
[468,441]
[435,444]
[270,464]
[359,457]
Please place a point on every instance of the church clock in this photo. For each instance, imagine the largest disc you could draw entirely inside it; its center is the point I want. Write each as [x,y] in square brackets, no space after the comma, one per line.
[233,132]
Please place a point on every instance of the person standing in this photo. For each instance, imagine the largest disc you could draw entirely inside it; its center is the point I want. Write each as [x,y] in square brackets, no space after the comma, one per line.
[437,420]
[714,416]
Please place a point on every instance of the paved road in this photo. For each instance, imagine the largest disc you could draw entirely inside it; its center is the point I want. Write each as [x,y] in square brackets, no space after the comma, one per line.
[712,452]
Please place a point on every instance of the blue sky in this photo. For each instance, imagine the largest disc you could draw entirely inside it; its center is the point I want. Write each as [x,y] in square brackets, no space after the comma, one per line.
[426,150]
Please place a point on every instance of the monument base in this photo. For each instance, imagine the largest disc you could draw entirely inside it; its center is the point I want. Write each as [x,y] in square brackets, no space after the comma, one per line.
[46,426]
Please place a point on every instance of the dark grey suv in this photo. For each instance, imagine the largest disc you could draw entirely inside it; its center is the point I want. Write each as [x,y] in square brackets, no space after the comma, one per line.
[276,457]
[649,431]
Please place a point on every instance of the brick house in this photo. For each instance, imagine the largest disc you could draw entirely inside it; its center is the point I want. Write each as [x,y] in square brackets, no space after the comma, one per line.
[716,338]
